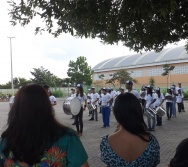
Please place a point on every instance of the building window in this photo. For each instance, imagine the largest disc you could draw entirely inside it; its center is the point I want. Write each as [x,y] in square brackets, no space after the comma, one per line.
[180,69]
[155,72]
[136,73]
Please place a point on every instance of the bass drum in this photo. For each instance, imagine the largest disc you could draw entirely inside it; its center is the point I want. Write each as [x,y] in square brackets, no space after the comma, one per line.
[71,106]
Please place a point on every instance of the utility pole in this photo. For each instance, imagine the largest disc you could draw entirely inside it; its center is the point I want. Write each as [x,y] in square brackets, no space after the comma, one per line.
[12,85]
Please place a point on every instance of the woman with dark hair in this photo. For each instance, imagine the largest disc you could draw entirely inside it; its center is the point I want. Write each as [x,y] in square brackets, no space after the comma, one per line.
[169,98]
[158,103]
[131,144]
[33,136]
[180,157]
[79,117]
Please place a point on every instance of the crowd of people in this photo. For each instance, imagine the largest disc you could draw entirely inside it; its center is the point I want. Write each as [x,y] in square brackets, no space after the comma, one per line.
[33,137]
[150,99]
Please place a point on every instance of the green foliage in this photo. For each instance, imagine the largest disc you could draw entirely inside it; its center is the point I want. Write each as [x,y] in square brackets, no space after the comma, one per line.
[167,68]
[120,76]
[148,25]
[101,76]
[57,93]
[17,81]
[186,94]
[44,76]
[79,71]
[152,81]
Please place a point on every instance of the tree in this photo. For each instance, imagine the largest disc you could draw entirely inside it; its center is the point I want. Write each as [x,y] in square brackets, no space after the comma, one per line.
[120,76]
[152,81]
[79,71]
[44,76]
[145,25]
[167,68]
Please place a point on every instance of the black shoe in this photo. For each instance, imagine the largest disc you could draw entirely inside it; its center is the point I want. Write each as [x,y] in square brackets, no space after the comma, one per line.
[74,123]
[96,120]
[157,124]
[92,119]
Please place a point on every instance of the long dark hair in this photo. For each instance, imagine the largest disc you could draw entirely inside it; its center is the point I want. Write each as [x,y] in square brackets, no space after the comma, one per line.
[80,91]
[31,127]
[128,113]
[158,93]
[149,91]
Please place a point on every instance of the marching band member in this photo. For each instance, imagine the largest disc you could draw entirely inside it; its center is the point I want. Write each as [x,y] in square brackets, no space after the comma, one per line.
[129,87]
[79,117]
[169,98]
[174,94]
[182,93]
[158,103]
[142,95]
[179,100]
[105,100]
[73,94]
[89,95]
[94,100]
[150,99]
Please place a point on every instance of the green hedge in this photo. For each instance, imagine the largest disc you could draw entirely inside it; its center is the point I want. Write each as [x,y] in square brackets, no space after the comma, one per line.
[58,93]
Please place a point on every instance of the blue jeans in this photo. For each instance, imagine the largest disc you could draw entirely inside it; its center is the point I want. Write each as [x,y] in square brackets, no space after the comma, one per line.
[169,109]
[151,122]
[106,116]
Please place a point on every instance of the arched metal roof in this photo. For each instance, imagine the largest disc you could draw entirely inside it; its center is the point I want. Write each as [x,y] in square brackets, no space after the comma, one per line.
[176,54]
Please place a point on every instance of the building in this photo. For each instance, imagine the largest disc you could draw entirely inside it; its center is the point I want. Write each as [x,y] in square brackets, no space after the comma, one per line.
[144,66]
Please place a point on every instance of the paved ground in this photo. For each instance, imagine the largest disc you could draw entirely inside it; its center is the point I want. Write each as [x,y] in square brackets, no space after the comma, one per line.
[169,135]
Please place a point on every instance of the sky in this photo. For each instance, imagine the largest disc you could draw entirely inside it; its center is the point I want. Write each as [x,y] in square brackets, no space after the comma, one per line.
[33,51]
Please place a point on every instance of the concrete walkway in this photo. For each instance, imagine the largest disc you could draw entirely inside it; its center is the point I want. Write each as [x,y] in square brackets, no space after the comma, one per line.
[169,135]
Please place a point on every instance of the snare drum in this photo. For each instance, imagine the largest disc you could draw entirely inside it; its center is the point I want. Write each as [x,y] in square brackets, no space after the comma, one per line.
[152,111]
[160,111]
[71,106]
[91,107]
[148,114]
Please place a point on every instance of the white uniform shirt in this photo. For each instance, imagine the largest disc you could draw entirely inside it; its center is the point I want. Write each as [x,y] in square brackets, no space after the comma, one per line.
[182,91]
[89,99]
[52,99]
[113,94]
[142,94]
[95,96]
[73,95]
[82,99]
[159,99]
[168,94]
[178,98]
[105,98]
[149,99]
[135,92]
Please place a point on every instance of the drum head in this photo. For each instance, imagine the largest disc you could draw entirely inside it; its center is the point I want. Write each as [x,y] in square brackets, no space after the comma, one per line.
[75,106]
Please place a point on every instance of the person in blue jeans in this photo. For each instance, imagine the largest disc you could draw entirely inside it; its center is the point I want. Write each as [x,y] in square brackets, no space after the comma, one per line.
[168,97]
[105,100]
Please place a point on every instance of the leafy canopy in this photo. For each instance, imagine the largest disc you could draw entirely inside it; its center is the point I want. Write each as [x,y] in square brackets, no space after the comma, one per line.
[120,76]
[167,68]
[44,76]
[79,71]
[146,24]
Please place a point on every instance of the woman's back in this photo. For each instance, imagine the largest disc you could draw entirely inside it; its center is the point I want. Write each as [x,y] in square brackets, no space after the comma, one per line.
[131,145]
[129,150]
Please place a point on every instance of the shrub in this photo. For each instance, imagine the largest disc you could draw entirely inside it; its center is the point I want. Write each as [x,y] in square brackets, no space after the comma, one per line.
[57,93]
[186,94]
